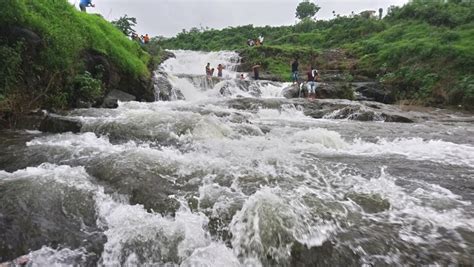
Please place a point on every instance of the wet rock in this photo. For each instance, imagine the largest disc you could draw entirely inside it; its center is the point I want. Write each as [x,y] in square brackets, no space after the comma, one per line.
[112,98]
[357,113]
[334,90]
[29,121]
[249,86]
[325,255]
[375,92]
[163,88]
[292,91]
[370,203]
[167,55]
[394,117]
[53,123]
[114,77]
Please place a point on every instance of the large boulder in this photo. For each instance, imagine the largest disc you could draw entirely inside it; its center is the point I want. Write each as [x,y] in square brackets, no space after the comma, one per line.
[164,89]
[115,78]
[292,91]
[375,92]
[53,123]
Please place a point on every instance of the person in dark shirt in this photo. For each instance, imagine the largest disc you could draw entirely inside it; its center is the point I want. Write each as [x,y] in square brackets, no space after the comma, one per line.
[208,69]
[256,69]
[294,71]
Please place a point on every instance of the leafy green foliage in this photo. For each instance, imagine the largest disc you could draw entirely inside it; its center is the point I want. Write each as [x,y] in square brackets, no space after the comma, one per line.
[10,67]
[125,24]
[87,87]
[306,9]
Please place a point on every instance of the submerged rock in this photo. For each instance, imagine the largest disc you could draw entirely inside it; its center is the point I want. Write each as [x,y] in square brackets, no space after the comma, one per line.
[164,89]
[325,255]
[112,98]
[370,203]
[53,123]
[35,212]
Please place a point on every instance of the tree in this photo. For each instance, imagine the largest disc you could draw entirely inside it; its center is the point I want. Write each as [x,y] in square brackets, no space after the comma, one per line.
[380,13]
[125,24]
[306,9]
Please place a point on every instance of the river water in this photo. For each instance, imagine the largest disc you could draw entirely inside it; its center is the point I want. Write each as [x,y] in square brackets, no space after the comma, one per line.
[199,182]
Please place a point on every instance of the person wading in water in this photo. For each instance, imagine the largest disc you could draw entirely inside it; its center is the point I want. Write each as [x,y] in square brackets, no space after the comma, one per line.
[220,67]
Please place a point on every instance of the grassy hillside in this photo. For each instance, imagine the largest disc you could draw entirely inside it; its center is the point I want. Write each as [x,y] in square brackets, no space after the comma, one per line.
[51,72]
[423,51]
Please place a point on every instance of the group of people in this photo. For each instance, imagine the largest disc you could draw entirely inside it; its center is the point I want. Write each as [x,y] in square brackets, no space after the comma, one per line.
[256,42]
[312,78]
[210,71]
[142,39]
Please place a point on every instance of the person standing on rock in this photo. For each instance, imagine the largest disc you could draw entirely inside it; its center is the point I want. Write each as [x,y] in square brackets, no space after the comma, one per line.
[313,76]
[256,69]
[84,4]
[208,69]
[294,71]
[220,67]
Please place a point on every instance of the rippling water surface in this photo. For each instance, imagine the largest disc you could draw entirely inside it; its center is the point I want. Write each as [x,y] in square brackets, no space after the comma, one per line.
[199,183]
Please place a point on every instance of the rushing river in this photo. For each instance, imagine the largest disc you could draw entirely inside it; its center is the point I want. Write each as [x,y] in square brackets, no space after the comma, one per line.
[200,182]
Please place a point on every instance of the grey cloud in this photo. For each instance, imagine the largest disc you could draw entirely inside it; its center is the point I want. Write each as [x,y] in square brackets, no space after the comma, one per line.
[169,17]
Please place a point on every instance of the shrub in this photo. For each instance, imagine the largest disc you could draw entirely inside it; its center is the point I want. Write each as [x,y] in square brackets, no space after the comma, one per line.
[87,87]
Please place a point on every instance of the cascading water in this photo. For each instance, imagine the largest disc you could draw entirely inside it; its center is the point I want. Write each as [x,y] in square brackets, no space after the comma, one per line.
[231,176]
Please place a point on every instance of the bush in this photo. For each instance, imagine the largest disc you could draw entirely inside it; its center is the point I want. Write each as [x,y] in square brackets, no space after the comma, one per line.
[10,67]
[86,87]
[463,93]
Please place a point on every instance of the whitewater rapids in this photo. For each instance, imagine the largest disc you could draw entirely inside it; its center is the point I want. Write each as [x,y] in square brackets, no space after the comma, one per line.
[197,182]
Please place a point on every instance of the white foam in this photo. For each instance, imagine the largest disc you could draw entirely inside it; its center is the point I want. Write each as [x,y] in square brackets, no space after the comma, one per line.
[65,257]
[213,255]
[418,149]
[194,62]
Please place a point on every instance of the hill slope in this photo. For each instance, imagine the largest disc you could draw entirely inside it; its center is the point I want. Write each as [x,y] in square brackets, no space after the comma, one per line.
[53,56]
[422,52]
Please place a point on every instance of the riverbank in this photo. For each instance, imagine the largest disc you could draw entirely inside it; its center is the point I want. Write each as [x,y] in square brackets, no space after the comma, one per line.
[54,57]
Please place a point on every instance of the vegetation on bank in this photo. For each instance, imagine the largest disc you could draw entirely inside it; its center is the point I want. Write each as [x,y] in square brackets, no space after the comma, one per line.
[43,47]
[422,52]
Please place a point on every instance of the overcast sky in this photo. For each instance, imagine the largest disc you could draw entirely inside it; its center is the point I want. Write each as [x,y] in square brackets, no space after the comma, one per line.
[169,17]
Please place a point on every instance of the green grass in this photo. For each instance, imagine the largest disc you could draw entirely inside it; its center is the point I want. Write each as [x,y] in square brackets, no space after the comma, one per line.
[69,32]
